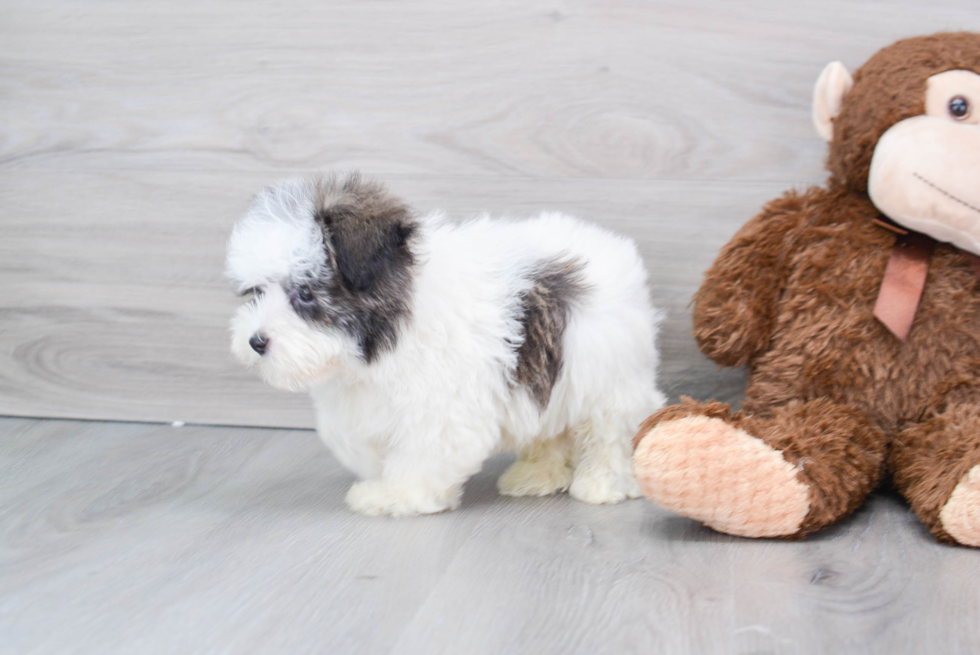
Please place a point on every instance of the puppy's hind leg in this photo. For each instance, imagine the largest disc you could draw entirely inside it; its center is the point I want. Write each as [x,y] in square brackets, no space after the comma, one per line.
[542,468]
[603,468]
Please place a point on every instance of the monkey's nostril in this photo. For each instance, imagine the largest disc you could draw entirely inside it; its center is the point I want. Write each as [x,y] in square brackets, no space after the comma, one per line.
[258,343]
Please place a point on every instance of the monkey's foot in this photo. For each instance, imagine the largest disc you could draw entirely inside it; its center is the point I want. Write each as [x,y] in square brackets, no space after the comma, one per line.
[961,514]
[706,469]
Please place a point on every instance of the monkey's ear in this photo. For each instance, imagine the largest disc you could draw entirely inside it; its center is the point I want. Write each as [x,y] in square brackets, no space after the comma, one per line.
[832,86]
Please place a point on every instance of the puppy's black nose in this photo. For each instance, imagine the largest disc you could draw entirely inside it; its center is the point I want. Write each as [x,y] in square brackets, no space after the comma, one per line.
[258,343]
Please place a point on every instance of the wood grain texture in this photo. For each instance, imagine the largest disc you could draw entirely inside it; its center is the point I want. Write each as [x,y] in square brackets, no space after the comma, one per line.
[115,305]
[128,538]
[133,134]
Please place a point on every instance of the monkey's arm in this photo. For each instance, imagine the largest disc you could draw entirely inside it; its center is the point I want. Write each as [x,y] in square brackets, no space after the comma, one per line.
[735,307]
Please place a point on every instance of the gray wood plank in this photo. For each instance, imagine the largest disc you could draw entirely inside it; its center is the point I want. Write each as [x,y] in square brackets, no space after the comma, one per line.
[148,539]
[132,135]
[114,305]
[633,580]
[692,90]
[130,538]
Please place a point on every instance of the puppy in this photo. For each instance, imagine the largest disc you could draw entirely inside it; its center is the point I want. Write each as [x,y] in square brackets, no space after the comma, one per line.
[427,346]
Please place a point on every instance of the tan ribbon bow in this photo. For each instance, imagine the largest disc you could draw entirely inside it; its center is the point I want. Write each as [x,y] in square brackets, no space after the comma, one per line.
[905,279]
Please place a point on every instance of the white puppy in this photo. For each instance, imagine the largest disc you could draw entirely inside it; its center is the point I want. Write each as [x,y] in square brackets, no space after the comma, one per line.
[428,346]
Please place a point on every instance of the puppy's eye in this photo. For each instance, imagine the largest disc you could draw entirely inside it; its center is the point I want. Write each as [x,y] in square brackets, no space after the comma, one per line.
[251,292]
[959,108]
[304,293]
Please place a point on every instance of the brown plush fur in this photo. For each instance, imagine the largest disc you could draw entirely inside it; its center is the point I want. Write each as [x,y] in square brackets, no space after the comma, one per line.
[791,297]
[889,88]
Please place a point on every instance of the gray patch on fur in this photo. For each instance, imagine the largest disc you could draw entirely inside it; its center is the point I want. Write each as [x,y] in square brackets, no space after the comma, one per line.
[545,310]
[368,236]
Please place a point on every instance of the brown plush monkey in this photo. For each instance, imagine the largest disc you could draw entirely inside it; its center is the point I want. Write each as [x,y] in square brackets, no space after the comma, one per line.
[861,337]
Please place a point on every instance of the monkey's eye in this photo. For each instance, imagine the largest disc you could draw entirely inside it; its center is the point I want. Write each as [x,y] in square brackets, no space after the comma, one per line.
[305,293]
[959,108]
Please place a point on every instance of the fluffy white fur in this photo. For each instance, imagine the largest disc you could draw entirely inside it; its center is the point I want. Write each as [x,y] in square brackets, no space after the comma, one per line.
[420,419]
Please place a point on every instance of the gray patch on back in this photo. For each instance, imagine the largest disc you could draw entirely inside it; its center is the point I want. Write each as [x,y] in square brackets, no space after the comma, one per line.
[545,310]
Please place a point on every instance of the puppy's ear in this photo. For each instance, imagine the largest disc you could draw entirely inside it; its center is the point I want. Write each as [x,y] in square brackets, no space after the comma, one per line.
[370,245]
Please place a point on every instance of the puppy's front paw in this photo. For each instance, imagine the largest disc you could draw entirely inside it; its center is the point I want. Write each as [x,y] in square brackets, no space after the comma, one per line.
[602,487]
[384,498]
[605,481]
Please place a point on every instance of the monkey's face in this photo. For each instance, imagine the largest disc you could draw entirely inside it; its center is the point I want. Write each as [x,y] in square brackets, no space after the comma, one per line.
[925,170]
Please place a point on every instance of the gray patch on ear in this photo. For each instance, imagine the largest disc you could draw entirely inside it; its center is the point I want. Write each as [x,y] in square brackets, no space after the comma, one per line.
[368,235]
[545,310]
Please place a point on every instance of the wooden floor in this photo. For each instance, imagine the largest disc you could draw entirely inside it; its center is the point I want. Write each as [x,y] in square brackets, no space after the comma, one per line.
[132,135]
[135,538]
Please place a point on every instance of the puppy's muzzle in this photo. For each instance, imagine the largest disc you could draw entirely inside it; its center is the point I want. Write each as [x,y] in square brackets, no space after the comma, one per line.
[259,343]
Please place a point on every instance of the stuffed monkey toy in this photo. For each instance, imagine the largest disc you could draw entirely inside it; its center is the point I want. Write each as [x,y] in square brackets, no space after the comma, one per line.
[856,309]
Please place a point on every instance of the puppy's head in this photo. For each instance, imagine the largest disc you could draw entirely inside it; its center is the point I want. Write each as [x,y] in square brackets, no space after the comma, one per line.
[325,264]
